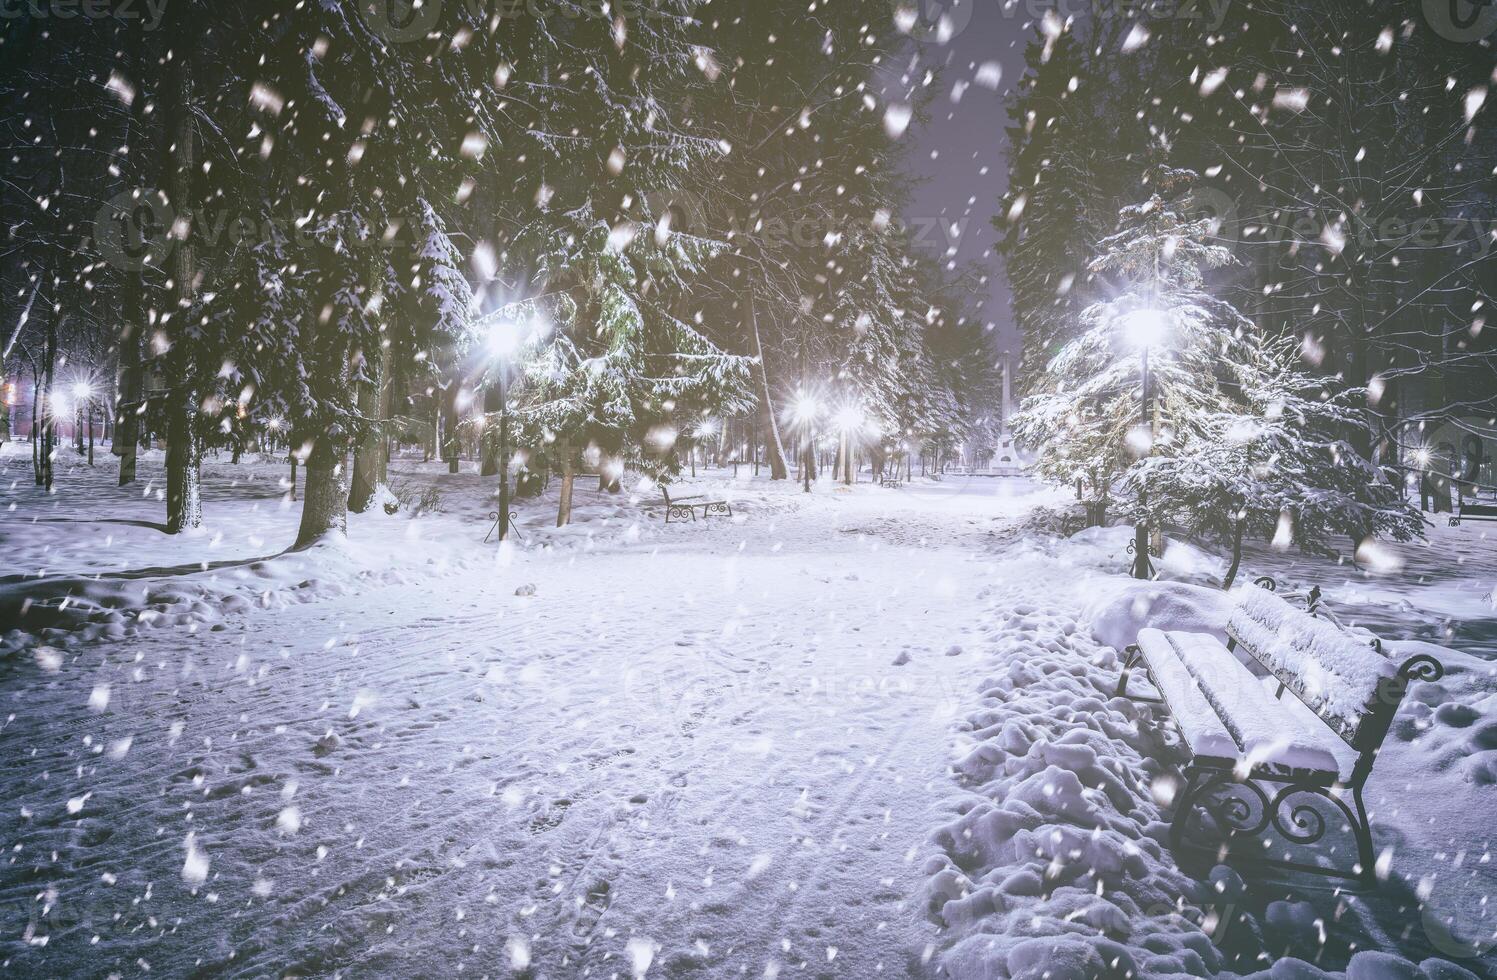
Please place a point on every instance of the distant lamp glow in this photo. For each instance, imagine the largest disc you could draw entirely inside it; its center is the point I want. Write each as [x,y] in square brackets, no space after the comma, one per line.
[850,418]
[805,409]
[82,390]
[1421,456]
[1146,328]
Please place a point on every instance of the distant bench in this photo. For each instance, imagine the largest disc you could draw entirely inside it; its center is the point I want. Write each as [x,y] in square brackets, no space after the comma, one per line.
[1474,512]
[1251,756]
[685,508]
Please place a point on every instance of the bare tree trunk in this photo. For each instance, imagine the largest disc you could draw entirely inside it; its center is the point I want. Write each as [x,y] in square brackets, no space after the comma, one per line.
[451,444]
[429,443]
[184,451]
[568,477]
[126,443]
[324,509]
[778,470]
[184,457]
[49,414]
[369,453]
[130,390]
[1237,531]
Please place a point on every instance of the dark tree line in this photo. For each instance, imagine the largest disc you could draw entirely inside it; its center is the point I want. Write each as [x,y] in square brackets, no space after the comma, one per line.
[322,227]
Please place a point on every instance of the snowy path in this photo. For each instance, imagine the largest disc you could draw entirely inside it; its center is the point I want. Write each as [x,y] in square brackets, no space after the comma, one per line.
[732,748]
[701,755]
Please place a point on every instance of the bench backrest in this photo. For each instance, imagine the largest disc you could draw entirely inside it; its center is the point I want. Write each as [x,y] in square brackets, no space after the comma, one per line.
[1346,680]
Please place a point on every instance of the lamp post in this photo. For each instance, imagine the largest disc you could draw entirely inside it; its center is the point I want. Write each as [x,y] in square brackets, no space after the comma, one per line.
[804,412]
[503,340]
[1144,329]
[1421,459]
[850,419]
[83,394]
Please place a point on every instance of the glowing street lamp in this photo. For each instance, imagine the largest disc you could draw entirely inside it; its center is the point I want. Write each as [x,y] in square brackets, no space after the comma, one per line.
[803,412]
[83,413]
[850,419]
[1144,329]
[805,409]
[504,340]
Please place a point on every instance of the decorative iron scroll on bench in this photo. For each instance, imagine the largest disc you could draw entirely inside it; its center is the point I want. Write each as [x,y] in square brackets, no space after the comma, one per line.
[494,525]
[1257,766]
[685,508]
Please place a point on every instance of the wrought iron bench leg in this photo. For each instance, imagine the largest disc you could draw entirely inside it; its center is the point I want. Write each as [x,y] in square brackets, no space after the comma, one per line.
[1135,656]
[1184,806]
[1259,809]
[1362,827]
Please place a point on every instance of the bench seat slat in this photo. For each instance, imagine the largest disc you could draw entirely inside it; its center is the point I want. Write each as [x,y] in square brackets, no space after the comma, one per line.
[1264,728]
[1204,732]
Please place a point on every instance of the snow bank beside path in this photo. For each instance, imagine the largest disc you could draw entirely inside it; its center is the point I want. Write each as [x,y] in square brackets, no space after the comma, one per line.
[90,561]
[1120,608]
[1054,863]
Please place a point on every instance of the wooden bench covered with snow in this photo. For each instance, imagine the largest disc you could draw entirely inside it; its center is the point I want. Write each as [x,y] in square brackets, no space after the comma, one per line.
[1260,763]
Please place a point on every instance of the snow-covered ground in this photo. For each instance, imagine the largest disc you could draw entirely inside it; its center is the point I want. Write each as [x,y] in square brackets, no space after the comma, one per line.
[847,734]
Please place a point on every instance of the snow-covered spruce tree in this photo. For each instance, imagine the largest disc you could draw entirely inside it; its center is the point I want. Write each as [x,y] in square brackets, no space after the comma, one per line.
[616,373]
[1272,460]
[441,312]
[1090,399]
[341,144]
[1238,439]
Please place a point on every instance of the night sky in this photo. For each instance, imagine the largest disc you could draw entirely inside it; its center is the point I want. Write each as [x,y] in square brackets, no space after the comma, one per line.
[960,155]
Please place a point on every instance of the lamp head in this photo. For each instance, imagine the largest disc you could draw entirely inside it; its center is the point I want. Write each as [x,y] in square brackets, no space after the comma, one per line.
[850,418]
[805,409]
[504,338]
[1146,328]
